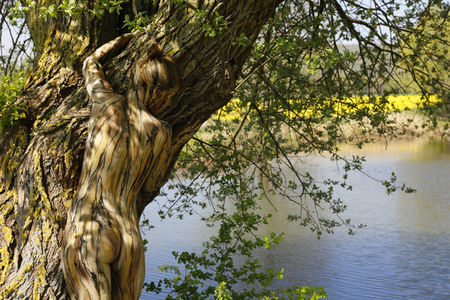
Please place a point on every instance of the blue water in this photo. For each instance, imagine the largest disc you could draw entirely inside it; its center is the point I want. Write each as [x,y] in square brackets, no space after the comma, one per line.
[403,253]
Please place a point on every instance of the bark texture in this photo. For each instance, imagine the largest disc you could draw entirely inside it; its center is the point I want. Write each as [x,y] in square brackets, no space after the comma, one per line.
[40,159]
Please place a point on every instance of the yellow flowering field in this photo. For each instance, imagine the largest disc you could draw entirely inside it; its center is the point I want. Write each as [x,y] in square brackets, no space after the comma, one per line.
[235,111]
[411,101]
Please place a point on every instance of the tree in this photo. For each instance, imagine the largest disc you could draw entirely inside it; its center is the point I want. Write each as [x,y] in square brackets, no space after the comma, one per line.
[426,55]
[41,161]
[210,41]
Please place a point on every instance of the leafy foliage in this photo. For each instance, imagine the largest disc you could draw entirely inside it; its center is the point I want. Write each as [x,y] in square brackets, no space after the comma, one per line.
[226,267]
[10,111]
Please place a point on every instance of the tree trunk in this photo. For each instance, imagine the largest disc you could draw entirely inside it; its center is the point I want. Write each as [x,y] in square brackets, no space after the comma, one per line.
[40,159]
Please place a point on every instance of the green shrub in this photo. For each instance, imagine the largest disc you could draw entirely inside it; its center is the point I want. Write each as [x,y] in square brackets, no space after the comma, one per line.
[10,110]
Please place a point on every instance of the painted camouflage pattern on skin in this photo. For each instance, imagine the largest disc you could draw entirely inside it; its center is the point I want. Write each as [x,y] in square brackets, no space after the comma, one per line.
[102,254]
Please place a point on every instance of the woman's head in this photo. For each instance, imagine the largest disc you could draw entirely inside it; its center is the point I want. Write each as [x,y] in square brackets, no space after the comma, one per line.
[157,78]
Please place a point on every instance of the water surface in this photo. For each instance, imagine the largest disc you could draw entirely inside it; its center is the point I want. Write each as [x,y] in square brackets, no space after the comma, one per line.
[403,253]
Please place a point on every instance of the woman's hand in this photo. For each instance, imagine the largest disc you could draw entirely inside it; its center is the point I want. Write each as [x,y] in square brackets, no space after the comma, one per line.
[111,48]
[92,66]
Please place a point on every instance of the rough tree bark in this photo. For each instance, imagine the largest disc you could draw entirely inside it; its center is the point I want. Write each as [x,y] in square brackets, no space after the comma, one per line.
[40,158]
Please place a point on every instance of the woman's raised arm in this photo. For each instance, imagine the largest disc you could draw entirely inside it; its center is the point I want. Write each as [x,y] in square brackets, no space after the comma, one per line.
[92,68]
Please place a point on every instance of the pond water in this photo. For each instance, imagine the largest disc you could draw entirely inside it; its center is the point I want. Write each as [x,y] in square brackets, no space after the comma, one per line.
[403,253]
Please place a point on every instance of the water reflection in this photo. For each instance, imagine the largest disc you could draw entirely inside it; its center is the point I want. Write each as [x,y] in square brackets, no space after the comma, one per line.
[404,253]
